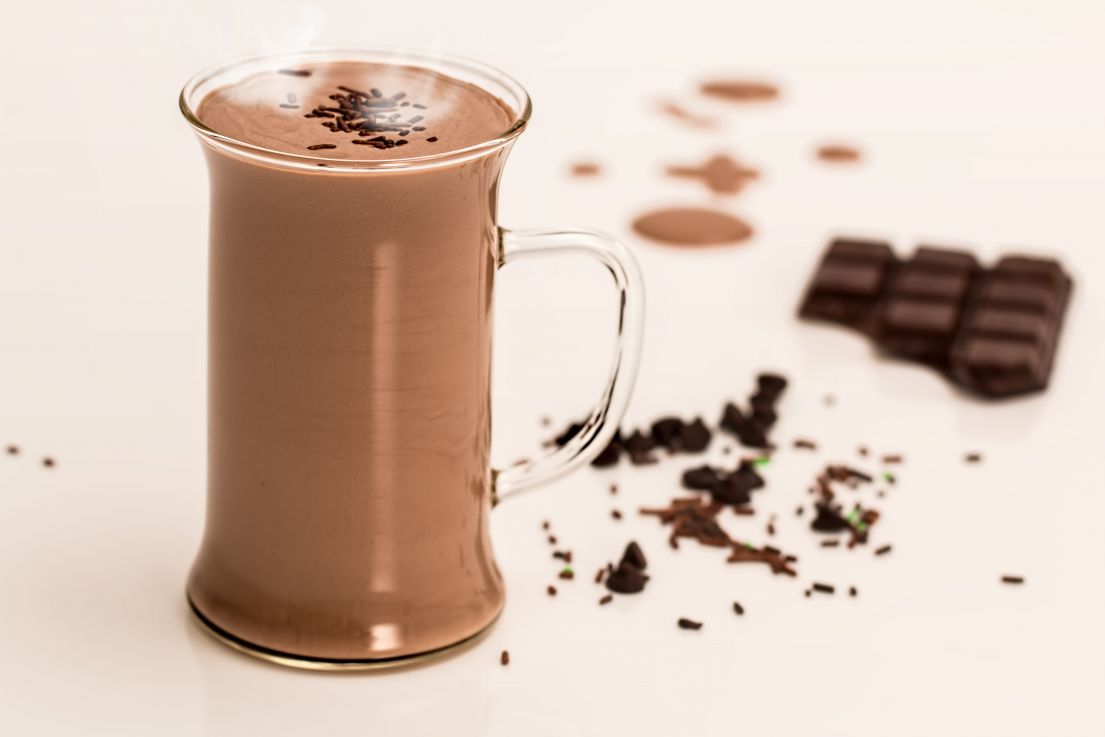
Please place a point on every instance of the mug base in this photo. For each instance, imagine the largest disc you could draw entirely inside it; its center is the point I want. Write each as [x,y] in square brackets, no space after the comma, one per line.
[306,662]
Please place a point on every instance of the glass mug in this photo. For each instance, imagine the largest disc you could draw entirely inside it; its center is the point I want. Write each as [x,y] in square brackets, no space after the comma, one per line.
[349,344]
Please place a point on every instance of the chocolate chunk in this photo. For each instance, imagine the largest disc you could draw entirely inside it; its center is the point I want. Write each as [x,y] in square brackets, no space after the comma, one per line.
[747,475]
[696,436]
[829,519]
[551,590]
[609,455]
[689,624]
[703,478]
[770,384]
[574,429]
[668,432]
[738,608]
[639,443]
[626,579]
[731,490]
[634,556]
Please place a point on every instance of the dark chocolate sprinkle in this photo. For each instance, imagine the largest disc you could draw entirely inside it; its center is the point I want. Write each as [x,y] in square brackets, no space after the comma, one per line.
[1012,579]
[320,146]
[504,658]
[689,624]
[824,588]
[883,550]
[738,608]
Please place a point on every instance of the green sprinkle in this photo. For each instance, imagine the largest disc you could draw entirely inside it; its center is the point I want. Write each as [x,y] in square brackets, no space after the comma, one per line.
[889,477]
[761,461]
[853,516]
[750,546]
[862,527]
[568,570]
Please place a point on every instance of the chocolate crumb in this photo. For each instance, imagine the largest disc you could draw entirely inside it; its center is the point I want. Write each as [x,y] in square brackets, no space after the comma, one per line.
[798,512]
[564,555]
[606,599]
[804,444]
[552,539]
[48,462]
[891,458]
[320,146]
[738,608]
[567,574]
[1012,579]
[544,524]
[689,624]
[504,658]
[973,458]
[613,488]
[862,450]
[615,514]
[824,588]
[883,550]
[551,591]
[771,525]
[13,450]
[807,593]
[432,139]
[599,575]
[853,591]
[830,543]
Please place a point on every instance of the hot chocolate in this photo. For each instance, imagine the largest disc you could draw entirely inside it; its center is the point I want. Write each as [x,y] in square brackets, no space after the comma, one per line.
[349,364]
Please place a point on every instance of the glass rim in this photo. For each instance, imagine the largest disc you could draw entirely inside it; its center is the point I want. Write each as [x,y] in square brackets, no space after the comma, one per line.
[434,61]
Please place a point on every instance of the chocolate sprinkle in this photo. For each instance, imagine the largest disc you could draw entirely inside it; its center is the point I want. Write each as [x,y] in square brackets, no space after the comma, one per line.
[803,444]
[551,591]
[824,588]
[1012,579]
[689,624]
[615,514]
[48,462]
[738,608]
[973,458]
[606,599]
[504,658]
[320,146]
[883,550]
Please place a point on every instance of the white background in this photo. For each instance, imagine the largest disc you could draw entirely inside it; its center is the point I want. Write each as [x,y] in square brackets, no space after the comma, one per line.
[983,122]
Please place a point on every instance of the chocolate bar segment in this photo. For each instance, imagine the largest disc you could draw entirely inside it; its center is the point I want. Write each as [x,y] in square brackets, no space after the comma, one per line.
[920,313]
[1011,329]
[849,282]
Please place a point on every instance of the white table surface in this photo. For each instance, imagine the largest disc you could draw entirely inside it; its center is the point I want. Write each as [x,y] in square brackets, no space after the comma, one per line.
[983,123]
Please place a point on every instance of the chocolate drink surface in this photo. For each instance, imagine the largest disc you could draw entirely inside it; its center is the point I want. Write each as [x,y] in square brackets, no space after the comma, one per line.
[349,362]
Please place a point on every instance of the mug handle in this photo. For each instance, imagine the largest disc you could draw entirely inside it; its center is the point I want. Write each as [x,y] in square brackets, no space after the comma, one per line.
[599,429]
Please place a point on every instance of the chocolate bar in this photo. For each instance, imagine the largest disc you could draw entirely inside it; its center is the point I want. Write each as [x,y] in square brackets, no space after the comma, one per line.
[994,331]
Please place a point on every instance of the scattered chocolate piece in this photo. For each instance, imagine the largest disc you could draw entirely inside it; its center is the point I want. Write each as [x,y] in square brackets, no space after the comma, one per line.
[803,444]
[564,555]
[599,575]
[830,543]
[634,556]
[48,462]
[551,591]
[544,524]
[615,514]
[585,169]
[853,591]
[321,146]
[1012,579]
[504,658]
[613,488]
[824,588]
[892,458]
[294,72]
[552,539]
[799,511]
[739,90]
[692,227]
[807,593]
[609,455]
[695,437]
[973,458]
[771,526]
[606,599]
[689,624]
[838,154]
[721,173]
[994,331]
[432,139]
[883,550]
[738,608]
[626,579]
[668,433]
[13,450]
[862,450]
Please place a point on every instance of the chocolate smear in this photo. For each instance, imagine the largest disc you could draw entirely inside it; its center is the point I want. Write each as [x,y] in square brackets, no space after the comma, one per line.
[586,169]
[683,115]
[692,227]
[721,173]
[740,90]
